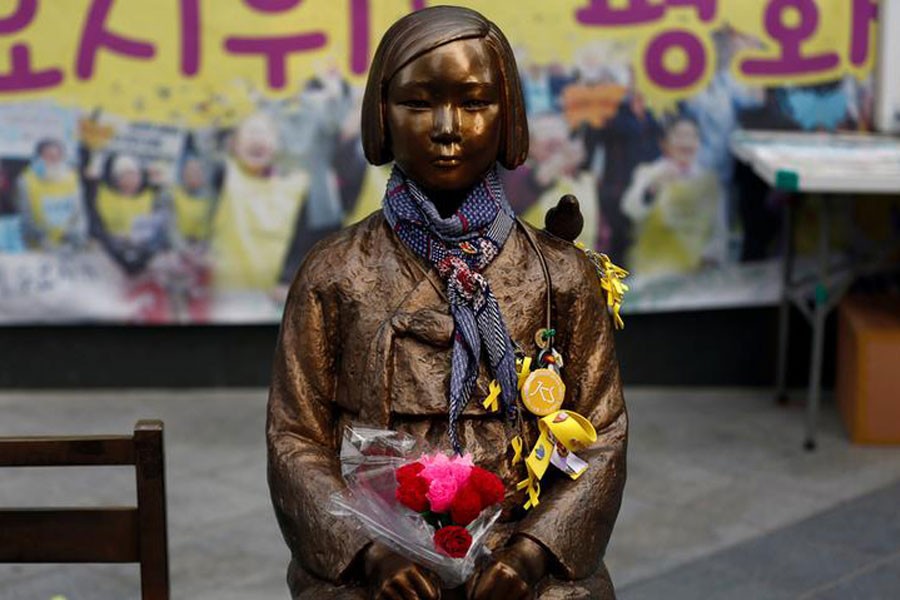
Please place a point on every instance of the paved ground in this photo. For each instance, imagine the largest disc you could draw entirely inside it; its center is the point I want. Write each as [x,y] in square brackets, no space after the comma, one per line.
[851,551]
[721,501]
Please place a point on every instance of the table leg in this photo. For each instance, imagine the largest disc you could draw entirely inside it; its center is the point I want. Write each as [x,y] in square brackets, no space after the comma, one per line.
[820,312]
[784,310]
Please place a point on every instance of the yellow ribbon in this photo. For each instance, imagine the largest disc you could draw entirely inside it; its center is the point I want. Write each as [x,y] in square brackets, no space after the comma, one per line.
[491,403]
[524,370]
[517,447]
[563,427]
[611,281]
[533,487]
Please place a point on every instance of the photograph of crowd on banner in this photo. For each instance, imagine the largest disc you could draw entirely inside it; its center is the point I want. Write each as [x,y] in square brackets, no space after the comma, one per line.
[182,177]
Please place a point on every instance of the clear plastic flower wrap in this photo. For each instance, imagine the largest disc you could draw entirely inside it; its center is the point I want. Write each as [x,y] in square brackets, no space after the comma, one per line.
[427,505]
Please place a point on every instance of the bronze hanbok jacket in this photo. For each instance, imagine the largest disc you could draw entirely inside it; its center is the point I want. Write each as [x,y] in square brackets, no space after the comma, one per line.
[366,339]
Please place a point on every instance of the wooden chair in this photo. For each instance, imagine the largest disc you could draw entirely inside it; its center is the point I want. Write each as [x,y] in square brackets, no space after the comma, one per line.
[94,535]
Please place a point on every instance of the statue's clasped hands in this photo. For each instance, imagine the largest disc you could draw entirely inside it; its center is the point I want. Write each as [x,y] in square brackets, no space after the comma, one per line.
[511,575]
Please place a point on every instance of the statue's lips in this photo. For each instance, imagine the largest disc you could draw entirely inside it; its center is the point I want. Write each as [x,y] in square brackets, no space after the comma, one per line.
[447,161]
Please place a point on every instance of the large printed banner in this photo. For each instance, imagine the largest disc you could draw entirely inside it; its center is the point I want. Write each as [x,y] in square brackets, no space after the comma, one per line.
[173,160]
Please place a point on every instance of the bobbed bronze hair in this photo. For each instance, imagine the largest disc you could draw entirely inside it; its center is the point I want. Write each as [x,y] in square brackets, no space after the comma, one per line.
[421,32]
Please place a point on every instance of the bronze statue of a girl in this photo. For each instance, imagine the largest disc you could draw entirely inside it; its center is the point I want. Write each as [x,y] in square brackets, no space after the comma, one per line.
[398,321]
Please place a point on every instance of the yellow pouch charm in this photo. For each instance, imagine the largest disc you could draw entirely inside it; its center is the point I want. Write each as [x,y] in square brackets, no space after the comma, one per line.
[543,392]
[562,433]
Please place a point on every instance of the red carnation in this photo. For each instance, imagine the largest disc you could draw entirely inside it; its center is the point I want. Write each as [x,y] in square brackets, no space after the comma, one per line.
[408,471]
[490,487]
[411,492]
[453,541]
[466,506]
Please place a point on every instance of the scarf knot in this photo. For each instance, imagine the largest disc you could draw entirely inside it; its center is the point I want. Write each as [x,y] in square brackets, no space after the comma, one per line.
[459,248]
[463,284]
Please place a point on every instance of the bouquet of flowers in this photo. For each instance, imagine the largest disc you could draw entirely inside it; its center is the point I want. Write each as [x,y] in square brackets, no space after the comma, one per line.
[430,507]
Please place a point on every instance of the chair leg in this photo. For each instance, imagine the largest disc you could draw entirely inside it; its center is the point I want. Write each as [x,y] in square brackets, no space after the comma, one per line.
[151,493]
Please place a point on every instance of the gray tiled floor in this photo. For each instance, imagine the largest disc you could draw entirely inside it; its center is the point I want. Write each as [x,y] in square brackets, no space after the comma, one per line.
[718,485]
[850,551]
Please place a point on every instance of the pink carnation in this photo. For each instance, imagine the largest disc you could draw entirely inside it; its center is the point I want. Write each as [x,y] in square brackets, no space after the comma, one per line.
[438,467]
[445,476]
[430,460]
[441,493]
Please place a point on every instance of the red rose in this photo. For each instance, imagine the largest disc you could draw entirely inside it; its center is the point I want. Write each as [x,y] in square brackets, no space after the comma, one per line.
[466,506]
[408,471]
[490,487]
[411,492]
[453,541]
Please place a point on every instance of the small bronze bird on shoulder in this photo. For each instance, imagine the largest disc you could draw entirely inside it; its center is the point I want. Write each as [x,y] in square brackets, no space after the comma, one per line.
[565,220]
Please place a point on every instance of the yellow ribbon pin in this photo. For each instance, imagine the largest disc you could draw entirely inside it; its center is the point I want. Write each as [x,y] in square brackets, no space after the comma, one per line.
[517,447]
[491,403]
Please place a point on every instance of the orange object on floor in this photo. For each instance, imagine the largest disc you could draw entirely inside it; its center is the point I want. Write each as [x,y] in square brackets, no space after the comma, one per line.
[868,368]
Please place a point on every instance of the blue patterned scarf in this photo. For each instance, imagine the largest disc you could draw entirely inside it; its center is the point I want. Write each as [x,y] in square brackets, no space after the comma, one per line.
[460,248]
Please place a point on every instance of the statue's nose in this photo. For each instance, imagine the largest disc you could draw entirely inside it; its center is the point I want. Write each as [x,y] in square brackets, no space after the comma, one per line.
[446,125]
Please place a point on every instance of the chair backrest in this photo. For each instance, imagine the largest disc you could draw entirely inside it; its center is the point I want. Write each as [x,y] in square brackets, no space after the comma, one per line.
[94,535]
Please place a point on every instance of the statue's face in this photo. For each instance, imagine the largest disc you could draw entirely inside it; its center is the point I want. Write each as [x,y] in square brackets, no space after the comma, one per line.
[443,116]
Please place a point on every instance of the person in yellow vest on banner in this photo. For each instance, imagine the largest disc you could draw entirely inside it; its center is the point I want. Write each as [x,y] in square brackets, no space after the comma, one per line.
[257,210]
[49,200]
[191,202]
[676,207]
[185,271]
[129,220]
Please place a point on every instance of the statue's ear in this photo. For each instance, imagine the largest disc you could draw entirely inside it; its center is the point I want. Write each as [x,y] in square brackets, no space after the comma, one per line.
[565,219]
